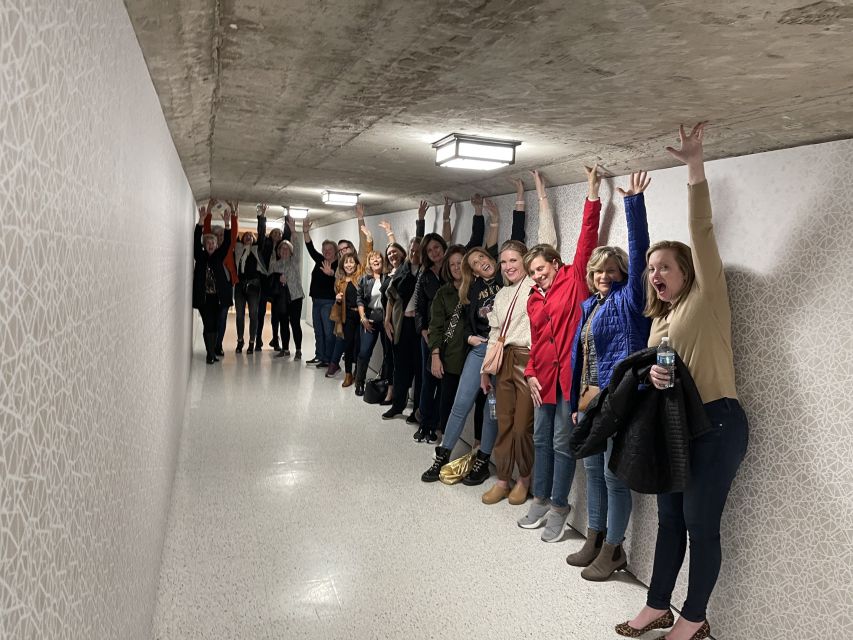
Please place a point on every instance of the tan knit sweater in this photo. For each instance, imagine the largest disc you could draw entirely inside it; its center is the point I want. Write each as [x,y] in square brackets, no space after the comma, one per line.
[700,327]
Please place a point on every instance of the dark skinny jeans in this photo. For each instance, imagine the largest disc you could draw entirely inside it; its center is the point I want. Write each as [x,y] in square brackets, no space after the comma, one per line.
[292,323]
[407,365]
[696,512]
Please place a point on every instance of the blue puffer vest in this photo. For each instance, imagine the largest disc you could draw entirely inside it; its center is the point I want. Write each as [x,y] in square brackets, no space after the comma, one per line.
[619,328]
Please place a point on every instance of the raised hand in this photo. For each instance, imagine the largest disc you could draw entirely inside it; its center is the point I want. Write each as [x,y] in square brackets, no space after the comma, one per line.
[540,184]
[519,187]
[290,223]
[422,209]
[326,268]
[306,225]
[261,209]
[639,183]
[366,232]
[492,209]
[202,214]
[385,226]
[691,145]
[593,180]
[359,211]
[477,201]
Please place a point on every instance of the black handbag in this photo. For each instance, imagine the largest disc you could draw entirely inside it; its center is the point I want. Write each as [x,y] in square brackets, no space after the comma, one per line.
[375,390]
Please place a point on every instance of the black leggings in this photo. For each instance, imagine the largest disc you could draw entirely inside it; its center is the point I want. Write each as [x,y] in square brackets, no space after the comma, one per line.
[293,318]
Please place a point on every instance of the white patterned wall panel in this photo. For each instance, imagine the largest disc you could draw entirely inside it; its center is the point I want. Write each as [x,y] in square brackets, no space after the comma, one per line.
[784,223]
[94,322]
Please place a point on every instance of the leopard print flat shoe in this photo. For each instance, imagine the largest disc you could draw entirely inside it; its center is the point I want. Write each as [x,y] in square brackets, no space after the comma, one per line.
[663,622]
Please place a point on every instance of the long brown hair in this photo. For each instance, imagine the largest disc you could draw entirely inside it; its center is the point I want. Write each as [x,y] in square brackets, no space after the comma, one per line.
[468,273]
[340,274]
[655,307]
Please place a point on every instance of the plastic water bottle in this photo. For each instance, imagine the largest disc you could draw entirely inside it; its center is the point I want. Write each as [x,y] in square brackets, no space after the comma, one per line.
[493,405]
[666,359]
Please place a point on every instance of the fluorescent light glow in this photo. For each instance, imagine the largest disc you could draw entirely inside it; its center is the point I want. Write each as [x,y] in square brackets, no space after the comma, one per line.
[298,213]
[477,165]
[343,198]
[461,151]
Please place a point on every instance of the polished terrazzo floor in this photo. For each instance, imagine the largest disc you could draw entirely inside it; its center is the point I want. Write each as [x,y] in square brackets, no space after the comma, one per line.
[298,513]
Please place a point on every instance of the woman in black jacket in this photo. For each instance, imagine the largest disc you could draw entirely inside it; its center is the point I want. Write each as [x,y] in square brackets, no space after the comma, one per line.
[210,283]
[371,313]
[432,256]
[247,291]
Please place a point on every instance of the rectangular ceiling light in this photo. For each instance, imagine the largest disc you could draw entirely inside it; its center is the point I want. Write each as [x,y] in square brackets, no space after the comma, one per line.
[298,213]
[341,198]
[461,151]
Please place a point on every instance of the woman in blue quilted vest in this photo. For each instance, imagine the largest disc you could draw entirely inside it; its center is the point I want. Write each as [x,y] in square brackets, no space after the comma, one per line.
[612,326]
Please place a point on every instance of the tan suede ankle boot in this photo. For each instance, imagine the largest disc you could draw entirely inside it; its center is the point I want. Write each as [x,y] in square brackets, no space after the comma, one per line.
[610,559]
[589,551]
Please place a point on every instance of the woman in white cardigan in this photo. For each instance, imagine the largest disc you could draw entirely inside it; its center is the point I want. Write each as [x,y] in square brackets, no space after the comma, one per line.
[514,446]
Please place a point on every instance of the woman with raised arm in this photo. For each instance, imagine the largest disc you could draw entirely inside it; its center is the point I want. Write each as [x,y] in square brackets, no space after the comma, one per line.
[480,284]
[371,315]
[510,330]
[210,283]
[230,267]
[247,292]
[322,293]
[267,244]
[687,300]
[288,293]
[432,255]
[553,308]
[400,323]
[612,327]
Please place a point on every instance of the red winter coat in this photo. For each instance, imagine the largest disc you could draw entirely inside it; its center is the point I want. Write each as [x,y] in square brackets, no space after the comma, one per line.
[554,316]
[229,258]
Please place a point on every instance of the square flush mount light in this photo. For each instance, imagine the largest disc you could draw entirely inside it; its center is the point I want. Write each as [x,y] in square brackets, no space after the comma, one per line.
[340,197]
[298,213]
[461,151]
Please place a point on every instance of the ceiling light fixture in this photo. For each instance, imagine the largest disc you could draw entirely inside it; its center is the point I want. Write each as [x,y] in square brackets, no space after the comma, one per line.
[461,151]
[298,213]
[340,197]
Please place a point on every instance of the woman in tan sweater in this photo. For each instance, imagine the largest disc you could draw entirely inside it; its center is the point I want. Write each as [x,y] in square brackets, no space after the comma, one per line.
[688,301]
[514,446]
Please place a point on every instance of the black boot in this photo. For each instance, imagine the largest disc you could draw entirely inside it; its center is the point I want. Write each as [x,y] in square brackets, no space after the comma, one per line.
[210,347]
[442,457]
[239,346]
[360,375]
[480,471]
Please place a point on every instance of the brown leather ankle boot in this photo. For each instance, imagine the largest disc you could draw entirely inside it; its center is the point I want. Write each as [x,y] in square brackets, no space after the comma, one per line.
[348,380]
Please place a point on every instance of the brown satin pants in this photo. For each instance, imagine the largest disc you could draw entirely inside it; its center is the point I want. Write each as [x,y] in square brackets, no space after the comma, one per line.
[514,445]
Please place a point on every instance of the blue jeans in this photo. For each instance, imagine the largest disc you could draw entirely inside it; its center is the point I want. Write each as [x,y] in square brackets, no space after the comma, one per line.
[696,512]
[324,328]
[553,466]
[463,402]
[367,341]
[608,499]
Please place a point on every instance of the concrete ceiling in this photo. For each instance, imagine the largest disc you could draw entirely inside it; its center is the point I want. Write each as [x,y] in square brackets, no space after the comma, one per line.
[274,101]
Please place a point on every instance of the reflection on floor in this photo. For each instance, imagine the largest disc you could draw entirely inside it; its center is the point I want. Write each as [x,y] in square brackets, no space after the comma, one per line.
[298,513]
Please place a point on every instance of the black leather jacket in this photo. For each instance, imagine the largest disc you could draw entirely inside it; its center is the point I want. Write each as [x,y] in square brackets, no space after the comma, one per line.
[652,428]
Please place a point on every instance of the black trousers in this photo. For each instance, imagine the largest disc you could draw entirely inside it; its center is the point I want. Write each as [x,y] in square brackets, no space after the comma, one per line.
[407,365]
[291,323]
[262,312]
[696,512]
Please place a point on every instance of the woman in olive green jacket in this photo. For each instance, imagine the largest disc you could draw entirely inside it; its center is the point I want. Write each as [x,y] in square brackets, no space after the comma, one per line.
[447,343]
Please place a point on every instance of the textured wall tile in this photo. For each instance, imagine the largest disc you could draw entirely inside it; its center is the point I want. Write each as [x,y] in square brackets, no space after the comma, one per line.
[94,322]
[784,224]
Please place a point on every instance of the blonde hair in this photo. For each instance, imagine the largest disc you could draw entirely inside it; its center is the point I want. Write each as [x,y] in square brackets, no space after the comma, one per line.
[655,307]
[468,273]
[370,256]
[284,243]
[600,255]
[544,251]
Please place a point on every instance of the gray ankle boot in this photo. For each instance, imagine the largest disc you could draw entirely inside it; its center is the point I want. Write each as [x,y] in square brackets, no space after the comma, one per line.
[610,559]
[589,551]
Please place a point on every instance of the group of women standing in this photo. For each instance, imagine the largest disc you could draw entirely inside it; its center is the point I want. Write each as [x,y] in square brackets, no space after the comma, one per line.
[545,337]
[251,272]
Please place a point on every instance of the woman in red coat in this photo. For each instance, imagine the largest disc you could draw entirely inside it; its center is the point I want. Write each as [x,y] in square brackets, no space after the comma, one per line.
[554,311]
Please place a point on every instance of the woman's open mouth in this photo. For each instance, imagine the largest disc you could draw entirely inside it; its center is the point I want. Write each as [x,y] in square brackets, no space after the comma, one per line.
[660,287]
